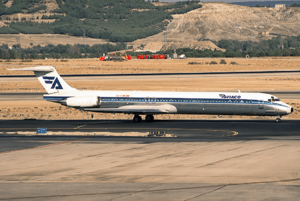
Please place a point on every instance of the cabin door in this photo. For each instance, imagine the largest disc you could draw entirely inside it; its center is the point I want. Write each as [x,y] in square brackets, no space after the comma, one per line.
[261,104]
[147,100]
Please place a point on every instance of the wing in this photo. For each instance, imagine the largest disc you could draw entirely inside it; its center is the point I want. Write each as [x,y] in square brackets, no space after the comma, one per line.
[140,109]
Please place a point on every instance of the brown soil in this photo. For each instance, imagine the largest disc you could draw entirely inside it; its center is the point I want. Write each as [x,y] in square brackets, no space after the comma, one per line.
[166,84]
[94,66]
[162,46]
[26,40]
[218,21]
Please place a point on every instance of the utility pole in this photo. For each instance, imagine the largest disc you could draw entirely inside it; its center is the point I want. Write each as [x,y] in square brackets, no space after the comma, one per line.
[281,41]
[166,34]
[84,36]
[249,44]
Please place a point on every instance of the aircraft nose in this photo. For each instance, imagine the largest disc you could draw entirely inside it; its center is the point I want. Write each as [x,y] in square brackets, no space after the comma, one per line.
[292,110]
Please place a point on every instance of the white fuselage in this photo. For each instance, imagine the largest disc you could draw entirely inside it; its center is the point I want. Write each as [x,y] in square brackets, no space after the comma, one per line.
[142,102]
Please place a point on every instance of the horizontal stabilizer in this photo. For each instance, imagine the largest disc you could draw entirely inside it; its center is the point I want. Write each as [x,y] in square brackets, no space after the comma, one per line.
[37,69]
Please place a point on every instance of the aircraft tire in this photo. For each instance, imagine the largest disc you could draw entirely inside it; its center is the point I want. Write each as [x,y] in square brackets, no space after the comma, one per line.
[149,118]
[137,118]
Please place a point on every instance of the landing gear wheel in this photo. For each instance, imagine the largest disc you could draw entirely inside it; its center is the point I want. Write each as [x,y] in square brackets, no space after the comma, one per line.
[278,120]
[149,118]
[137,118]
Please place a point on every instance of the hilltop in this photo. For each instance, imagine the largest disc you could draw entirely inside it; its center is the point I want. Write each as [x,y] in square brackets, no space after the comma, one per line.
[217,21]
[221,21]
[116,21]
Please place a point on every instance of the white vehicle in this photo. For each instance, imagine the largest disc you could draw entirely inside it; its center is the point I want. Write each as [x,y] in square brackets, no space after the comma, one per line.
[182,56]
[150,103]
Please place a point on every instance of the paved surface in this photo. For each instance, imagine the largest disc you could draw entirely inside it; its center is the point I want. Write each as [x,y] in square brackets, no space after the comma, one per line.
[89,77]
[207,160]
[199,130]
[147,191]
[39,96]
[162,74]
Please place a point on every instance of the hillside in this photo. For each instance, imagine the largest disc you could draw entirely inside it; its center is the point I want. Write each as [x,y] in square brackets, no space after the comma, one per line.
[117,21]
[30,40]
[216,21]
[162,46]
[156,26]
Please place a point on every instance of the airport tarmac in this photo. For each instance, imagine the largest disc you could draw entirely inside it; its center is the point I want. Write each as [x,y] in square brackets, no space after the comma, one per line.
[189,130]
[89,77]
[204,160]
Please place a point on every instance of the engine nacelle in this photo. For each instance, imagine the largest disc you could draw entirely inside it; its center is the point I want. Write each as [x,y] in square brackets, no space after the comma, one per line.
[83,101]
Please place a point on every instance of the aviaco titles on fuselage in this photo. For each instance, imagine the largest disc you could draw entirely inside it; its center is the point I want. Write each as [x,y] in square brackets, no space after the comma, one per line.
[150,103]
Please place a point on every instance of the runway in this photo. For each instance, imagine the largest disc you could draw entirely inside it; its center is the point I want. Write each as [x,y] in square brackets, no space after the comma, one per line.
[165,74]
[90,77]
[178,130]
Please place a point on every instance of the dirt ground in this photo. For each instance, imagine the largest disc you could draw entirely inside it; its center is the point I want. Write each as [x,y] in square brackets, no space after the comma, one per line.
[94,66]
[217,21]
[28,40]
[166,84]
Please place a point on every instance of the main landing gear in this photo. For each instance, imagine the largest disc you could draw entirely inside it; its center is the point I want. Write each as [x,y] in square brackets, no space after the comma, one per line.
[278,120]
[137,118]
[148,118]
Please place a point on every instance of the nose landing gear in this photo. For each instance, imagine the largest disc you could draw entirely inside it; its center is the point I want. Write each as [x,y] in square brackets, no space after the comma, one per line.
[278,119]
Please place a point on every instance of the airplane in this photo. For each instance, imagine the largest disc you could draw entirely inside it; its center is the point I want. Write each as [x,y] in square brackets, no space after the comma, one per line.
[151,103]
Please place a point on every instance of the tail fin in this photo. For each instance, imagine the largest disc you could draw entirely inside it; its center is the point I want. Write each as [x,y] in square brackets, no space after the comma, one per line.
[49,78]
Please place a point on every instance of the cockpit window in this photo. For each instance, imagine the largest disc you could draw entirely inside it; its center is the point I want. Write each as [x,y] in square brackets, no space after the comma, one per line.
[273,99]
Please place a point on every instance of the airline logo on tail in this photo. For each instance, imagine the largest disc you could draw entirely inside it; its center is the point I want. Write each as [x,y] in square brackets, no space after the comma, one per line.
[53,81]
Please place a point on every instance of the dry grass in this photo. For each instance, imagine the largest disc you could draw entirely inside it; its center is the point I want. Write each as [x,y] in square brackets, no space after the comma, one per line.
[166,84]
[92,66]
[28,40]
